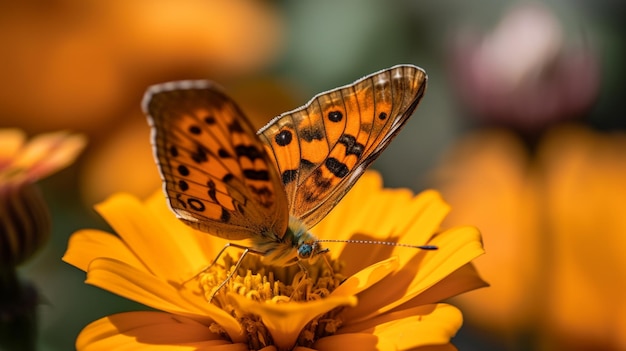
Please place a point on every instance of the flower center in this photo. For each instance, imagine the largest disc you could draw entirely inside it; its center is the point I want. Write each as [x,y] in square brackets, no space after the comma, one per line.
[260,282]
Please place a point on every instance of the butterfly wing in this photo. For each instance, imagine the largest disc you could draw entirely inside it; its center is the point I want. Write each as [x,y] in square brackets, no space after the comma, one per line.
[323,147]
[216,174]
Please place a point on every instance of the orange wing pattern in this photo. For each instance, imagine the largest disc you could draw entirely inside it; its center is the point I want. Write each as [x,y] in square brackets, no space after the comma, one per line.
[217,176]
[323,147]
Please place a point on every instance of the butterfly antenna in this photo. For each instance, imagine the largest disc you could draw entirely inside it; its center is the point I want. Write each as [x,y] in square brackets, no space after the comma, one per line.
[376,242]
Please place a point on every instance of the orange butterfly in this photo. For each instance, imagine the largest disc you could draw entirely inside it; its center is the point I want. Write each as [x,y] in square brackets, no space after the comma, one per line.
[272,186]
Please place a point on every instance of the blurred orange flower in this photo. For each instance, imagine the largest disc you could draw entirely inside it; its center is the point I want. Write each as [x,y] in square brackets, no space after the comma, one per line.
[83,65]
[385,300]
[28,161]
[554,226]
[25,224]
[24,218]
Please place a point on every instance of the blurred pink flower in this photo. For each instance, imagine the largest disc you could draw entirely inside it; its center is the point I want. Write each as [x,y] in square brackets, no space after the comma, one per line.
[523,74]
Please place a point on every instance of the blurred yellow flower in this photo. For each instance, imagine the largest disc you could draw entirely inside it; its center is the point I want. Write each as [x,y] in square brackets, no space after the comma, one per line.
[378,297]
[554,226]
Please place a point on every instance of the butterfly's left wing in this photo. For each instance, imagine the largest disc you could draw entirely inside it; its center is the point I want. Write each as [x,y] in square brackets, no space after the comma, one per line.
[323,147]
[216,174]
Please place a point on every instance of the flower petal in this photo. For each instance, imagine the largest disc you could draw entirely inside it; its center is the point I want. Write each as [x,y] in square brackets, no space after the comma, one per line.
[168,248]
[425,212]
[349,341]
[366,278]
[124,280]
[286,320]
[462,280]
[11,140]
[456,248]
[47,153]
[380,214]
[86,245]
[153,330]
[414,327]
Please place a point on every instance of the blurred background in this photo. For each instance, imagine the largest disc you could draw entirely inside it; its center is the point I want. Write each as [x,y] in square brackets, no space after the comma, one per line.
[521,129]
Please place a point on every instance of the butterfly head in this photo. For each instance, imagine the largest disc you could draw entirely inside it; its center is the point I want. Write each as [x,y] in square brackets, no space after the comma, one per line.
[306,244]
[310,251]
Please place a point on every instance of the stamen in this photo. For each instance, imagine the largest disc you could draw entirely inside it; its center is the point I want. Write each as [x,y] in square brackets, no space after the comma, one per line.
[260,282]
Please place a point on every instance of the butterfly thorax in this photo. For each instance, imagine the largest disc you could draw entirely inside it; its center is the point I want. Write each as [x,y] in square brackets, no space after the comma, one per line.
[295,245]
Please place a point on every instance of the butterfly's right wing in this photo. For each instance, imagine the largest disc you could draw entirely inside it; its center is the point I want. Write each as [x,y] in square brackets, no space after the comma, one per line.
[216,174]
[322,148]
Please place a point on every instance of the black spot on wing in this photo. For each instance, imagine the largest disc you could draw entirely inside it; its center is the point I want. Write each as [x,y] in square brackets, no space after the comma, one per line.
[253,174]
[289,176]
[173,151]
[200,155]
[235,127]
[310,134]
[223,153]
[352,147]
[283,138]
[225,217]
[212,190]
[335,116]
[183,170]
[306,164]
[337,168]
[196,204]
[249,151]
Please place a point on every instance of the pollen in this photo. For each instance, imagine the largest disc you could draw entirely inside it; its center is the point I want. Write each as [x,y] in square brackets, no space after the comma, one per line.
[260,282]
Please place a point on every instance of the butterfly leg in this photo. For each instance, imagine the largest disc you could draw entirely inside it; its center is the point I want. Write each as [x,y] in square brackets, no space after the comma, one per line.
[330,268]
[245,249]
[305,272]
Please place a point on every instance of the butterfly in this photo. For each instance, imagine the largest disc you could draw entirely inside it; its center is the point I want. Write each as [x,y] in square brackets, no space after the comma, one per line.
[270,187]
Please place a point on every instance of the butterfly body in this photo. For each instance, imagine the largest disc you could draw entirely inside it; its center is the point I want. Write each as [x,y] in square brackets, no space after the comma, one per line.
[296,244]
[271,187]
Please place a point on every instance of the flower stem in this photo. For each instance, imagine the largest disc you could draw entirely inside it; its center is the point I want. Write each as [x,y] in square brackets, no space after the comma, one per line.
[18,312]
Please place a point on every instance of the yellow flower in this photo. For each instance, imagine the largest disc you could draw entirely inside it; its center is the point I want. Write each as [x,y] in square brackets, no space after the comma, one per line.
[377,297]
[554,226]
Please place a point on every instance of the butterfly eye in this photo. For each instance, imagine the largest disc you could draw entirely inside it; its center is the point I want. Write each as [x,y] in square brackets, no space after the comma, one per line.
[305,251]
